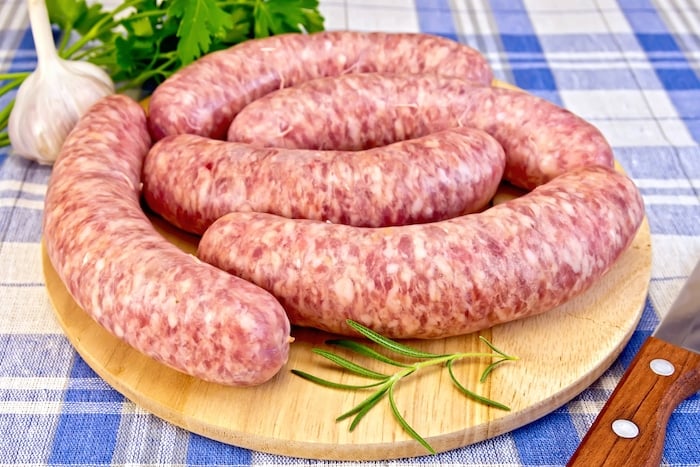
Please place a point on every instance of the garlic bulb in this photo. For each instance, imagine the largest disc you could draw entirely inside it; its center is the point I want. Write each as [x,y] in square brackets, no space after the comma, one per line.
[52,99]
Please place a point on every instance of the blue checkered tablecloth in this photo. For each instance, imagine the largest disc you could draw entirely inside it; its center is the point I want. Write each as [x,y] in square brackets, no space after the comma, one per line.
[631,67]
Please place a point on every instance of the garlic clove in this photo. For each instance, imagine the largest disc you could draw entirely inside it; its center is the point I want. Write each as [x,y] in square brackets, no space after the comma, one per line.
[49,104]
[50,101]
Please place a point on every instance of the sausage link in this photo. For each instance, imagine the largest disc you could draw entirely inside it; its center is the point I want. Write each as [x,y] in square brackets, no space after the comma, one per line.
[353,112]
[204,97]
[517,259]
[163,302]
[435,177]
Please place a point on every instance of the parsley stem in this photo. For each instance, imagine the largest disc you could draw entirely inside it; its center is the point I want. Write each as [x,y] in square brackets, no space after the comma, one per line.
[12,85]
[145,76]
[5,113]
[4,120]
[65,37]
[92,54]
[105,24]
[15,75]
[243,4]
[77,51]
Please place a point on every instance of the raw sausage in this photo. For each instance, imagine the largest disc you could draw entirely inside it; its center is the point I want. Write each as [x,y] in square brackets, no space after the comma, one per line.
[163,302]
[452,277]
[352,112]
[204,97]
[191,181]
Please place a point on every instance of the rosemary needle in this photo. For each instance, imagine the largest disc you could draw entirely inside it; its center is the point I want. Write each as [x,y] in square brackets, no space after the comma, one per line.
[385,384]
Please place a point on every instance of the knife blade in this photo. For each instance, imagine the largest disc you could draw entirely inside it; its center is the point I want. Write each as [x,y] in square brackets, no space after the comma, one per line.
[631,427]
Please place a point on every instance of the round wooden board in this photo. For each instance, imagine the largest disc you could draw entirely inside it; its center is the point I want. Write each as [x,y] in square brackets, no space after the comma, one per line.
[561,353]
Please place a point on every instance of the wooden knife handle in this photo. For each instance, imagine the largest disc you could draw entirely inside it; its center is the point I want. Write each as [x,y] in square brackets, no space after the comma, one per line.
[646,399]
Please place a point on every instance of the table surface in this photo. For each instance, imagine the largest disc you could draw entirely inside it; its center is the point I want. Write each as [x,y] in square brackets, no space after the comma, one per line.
[631,67]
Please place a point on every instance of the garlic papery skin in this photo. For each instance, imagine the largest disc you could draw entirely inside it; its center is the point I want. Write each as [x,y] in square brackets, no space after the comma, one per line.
[52,99]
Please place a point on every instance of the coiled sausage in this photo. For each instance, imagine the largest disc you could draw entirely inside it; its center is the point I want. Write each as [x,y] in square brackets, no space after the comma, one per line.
[514,260]
[204,97]
[192,181]
[165,303]
[351,112]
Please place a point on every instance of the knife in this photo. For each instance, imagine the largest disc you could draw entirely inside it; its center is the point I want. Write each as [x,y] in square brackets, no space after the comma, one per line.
[631,427]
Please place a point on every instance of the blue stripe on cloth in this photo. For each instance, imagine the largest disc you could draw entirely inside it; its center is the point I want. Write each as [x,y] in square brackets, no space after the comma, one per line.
[25,56]
[668,191]
[520,40]
[636,4]
[687,103]
[204,451]
[14,66]
[89,393]
[622,78]
[499,450]
[588,44]
[19,194]
[26,438]
[536,444]
[693,125]
[88,435]
[159,442]
[508,5]
[668,60]
[660,161]
[597,61]
[649,320]
[674,219]
[20,224]
[435,17]
[4,151]
[31,394]
[27,434]
[17,168]
[463,23]
[683,434]
[36,355]
[536,78]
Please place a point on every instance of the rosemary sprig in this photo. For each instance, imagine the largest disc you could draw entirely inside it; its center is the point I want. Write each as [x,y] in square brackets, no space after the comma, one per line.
[385,384]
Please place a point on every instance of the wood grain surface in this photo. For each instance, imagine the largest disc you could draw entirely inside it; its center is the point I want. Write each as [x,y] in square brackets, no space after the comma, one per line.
[561,353]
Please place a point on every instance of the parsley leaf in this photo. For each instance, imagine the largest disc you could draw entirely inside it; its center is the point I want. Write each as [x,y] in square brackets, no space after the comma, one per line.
[200,20]
[294,16]
[282,16]
[66,13]
[142,42]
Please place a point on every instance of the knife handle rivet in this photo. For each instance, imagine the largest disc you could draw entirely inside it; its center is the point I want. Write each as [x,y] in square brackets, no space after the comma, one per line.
[625,428]
[662,367]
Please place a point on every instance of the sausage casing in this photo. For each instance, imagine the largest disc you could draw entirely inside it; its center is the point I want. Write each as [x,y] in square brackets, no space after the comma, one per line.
[165,303]
[452,277]
[203,97]
[191,181]
[541,140]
